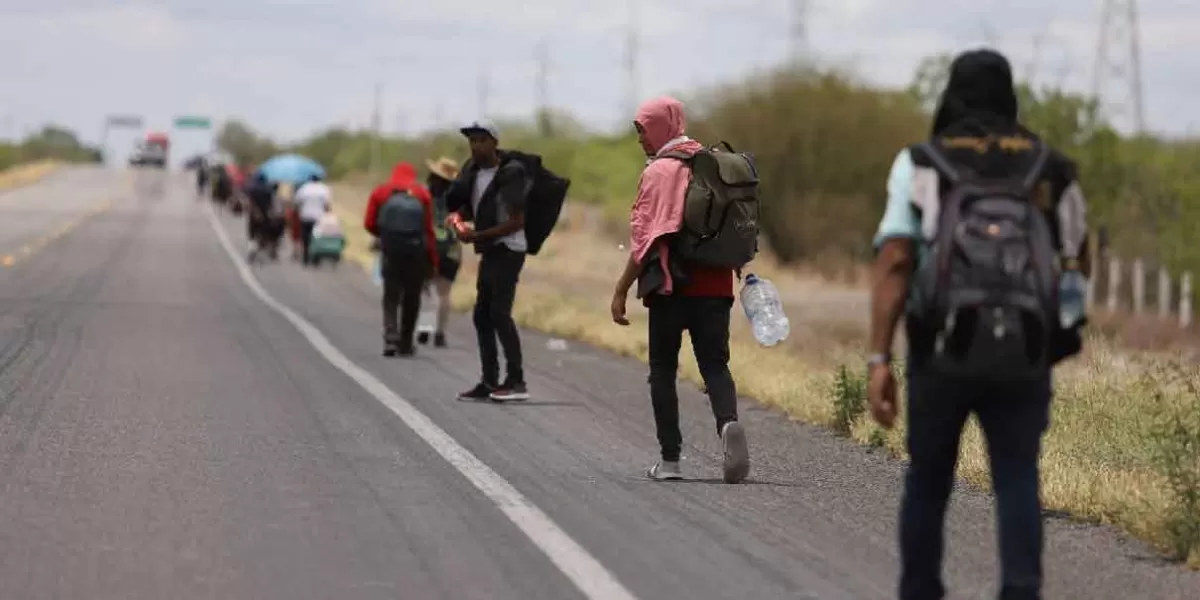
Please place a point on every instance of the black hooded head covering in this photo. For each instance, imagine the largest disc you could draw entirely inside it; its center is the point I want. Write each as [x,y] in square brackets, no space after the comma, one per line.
[980,91]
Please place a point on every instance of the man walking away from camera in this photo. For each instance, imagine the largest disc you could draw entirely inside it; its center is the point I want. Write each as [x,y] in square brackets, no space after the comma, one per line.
[491,191]
[400,214]
[264,203]
[201,177]
[442,172]
[681,297]
[311,200]
[982,314]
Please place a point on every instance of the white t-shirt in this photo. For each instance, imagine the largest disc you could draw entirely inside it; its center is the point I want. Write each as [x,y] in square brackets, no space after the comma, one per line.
[311,200]
[483,178]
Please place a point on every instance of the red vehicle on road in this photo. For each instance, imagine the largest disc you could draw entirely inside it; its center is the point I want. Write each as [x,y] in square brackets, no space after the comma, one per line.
[153,151]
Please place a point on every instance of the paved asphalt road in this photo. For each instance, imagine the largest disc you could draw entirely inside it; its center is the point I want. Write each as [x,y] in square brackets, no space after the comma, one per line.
[167,433]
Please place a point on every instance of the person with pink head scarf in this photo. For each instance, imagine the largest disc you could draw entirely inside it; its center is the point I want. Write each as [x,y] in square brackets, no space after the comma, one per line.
[680,297]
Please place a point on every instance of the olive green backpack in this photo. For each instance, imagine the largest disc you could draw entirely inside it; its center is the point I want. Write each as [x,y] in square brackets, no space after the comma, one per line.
[720,214]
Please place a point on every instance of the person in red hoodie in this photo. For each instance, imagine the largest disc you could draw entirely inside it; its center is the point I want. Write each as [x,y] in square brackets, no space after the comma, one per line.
[400,216]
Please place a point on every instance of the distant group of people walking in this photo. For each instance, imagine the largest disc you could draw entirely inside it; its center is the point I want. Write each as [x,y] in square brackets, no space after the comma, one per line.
[304,215]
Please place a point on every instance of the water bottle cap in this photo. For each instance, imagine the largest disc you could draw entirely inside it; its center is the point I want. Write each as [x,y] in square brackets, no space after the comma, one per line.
[751,278]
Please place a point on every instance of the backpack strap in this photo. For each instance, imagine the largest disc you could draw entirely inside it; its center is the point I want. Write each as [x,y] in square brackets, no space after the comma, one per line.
[676,155]
[1039,164]
[941,162]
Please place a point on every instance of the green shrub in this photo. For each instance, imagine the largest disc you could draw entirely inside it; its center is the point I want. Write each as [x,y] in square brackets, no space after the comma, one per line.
[1176,442]
[849,399]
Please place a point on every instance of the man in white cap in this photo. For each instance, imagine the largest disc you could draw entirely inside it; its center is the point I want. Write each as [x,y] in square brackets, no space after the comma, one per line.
[491,191]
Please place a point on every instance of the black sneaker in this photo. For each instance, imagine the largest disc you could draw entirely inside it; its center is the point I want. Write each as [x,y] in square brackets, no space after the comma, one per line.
[516,392]
[479,393]
[423,338]
[390,349]
[439,340]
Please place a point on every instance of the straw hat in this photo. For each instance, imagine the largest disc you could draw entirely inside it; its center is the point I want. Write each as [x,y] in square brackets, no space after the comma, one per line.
[444,167]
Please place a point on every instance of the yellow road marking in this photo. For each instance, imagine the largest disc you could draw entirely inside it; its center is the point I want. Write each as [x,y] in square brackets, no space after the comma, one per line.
[28,249]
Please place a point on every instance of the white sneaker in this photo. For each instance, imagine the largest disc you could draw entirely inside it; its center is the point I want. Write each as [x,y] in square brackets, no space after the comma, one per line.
[665,471]
[737,452]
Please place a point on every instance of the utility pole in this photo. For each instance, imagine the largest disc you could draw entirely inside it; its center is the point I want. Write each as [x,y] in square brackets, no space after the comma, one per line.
[632,78]
[542,55]
[798,31]
[377,129]
[1035,61]
[1117,73]
[483,89]
[439,116]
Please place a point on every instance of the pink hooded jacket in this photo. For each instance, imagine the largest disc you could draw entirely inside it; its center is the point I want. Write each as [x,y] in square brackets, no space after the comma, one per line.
[658,210]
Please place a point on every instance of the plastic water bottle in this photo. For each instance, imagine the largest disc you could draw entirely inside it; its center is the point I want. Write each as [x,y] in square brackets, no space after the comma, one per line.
[763,308]
[1072,289]
[377,272]
[427,318]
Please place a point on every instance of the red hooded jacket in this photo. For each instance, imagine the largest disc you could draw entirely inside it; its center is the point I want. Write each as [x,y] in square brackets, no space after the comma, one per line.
[404,179]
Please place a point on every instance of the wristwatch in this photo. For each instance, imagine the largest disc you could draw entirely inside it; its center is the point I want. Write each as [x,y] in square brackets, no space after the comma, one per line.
[879,359]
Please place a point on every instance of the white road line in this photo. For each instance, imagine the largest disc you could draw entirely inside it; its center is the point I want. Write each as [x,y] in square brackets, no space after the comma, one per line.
[595,581]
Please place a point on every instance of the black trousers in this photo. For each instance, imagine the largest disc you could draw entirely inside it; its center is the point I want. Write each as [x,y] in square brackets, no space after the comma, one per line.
[404,273]
[496,290]
[1013,417]
[706,319]
[306,236]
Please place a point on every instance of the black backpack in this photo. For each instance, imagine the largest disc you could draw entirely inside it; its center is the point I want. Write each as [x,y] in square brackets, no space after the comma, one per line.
[988,288]
[222,186]
[544,204]
[401,222]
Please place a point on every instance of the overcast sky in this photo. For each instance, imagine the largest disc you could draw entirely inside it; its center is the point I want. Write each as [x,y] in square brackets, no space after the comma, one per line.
[292,66]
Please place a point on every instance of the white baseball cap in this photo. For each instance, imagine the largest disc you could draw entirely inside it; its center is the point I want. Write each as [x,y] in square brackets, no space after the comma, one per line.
[482,126]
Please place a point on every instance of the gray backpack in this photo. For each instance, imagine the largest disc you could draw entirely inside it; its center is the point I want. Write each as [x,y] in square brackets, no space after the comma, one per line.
[989,286]
[401,223]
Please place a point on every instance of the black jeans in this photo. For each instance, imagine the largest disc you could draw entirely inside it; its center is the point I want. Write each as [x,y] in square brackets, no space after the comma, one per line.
[306,237]
[404,273]
[706,319]
[1013,417]
[496,290]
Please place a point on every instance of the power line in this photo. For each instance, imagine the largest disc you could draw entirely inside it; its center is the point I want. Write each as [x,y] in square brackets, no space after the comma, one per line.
[632,77]
[1117,73]
[439,115]
[542,55]
[377,128]
[798,30]
[482,88]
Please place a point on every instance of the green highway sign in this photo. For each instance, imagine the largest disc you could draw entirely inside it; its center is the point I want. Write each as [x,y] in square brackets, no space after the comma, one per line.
[193,122]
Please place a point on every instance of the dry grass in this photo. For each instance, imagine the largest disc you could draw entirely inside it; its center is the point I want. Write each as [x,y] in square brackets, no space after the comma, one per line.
[1099,458]
[26,174]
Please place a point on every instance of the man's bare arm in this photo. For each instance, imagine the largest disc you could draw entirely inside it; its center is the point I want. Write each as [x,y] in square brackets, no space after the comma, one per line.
[890,278]
[628,276]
